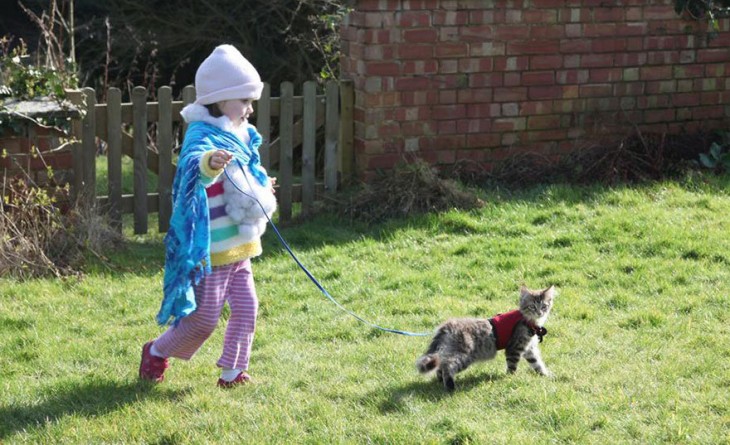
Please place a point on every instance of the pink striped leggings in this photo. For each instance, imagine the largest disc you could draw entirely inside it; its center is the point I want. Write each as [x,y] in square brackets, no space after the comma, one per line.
[232,283]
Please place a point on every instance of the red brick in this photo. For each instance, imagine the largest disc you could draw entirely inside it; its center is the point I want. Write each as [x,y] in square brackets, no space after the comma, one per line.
[483,140]
[477,33]
[688,71]
[412,84]
[614,14]
[513,79]
[518,63]
[477,80]
[539,4]
[685,100]
[450,18]
[411,51]
[660,13]
[717,70]
[379,20]
[711,98]
[510,94]
[545,92]
[475,95]
[447,97]
[575,46]
[712,55]
[479,17]
[655,72]
[514,32]
[596,60]
[596,90]
[451,50]
[543,62]
[630,59]
[536,108]
[599,30]
[709,112]
[538,78]
[652,100]
[483,110]
[539,16]
[509,124]
[548,32]
[601,75]
[382,69]
[420,4]
[527,47]
[420,67]
[572,76]
[608,45]
[448,112]
[377,5]
[662,57]
[543,122]
[420,35]
[413,19]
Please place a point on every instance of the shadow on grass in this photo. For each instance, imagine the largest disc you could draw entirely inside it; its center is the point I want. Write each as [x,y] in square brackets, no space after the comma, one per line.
[88,399]
[394,399]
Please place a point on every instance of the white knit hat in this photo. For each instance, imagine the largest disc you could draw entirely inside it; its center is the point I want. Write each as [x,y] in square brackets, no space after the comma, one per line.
[224,75]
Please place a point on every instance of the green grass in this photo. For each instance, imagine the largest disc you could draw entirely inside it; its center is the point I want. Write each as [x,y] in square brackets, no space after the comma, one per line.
[638,338]
[102,177]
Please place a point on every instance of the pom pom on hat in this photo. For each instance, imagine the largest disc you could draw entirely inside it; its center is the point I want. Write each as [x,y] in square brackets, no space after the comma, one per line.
[224,75]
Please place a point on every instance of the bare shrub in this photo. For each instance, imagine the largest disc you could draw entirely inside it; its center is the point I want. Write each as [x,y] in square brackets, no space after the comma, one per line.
[606,159]
[42,234]
[408,189]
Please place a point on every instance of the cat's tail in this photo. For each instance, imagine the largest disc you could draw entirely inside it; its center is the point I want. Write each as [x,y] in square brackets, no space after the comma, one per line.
[427,363]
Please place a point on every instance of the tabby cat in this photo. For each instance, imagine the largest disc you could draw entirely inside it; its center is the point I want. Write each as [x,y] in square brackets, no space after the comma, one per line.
[460,342]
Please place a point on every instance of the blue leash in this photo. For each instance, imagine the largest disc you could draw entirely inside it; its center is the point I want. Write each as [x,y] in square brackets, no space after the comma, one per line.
[309,274]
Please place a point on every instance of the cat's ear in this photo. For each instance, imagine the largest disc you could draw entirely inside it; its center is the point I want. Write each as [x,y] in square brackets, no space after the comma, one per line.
[550,292]
[524,291]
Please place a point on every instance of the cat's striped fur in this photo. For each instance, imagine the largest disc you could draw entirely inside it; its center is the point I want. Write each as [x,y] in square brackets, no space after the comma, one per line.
[460,342]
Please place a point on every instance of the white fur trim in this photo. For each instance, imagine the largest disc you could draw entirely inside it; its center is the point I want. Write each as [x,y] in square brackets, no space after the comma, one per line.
[199,113]
[243,209]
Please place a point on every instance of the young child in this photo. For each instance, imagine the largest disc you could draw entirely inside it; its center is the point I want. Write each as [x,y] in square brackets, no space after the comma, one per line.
[215,229]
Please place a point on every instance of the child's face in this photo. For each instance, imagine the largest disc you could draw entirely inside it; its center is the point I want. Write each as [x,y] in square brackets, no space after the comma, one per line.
[237,110]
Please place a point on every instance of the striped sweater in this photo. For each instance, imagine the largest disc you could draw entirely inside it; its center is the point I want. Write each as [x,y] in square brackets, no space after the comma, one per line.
[227,244]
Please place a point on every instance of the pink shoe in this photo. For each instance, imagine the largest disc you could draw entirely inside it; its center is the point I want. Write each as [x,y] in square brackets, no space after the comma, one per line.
[152,368]
[239,380]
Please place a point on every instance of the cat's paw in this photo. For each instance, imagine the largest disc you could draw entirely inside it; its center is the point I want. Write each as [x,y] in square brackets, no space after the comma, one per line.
[449,384]
[547,373]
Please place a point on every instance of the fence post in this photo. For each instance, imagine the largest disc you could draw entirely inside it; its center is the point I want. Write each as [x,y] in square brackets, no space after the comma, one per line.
[139,110]
[347,154]
[263,125]
[114,155]
[331,135]
[188,97]
[286,149]
[309,136]
[164,152]
[76,97]
[88,148]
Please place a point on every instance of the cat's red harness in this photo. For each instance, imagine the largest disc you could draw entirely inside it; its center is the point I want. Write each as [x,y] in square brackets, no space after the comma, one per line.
[504,324]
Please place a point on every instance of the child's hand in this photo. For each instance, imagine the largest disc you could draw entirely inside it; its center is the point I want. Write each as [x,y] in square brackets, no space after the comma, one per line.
[273,183]
[219,159]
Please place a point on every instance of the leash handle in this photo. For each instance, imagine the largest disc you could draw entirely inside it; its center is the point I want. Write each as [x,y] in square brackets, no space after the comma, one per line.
[306,271]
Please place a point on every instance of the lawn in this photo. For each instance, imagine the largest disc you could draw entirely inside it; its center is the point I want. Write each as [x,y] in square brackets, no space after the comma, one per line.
[638,338]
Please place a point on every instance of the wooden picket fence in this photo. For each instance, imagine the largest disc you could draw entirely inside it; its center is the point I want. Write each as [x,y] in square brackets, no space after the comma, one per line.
[299,119]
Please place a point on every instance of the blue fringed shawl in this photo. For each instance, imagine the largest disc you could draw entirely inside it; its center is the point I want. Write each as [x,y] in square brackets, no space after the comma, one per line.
[187,242]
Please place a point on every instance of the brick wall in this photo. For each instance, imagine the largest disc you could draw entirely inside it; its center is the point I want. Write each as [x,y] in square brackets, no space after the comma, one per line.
[19,155]
[448,80]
